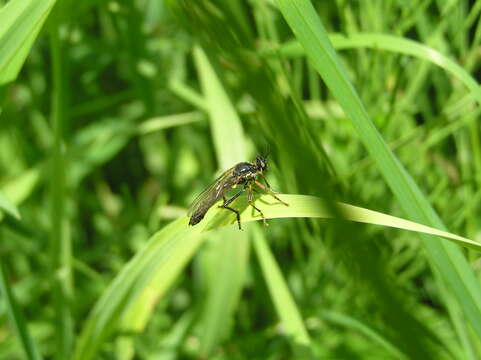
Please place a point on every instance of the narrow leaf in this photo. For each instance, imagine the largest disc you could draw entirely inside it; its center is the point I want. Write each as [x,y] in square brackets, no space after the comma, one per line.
[8,207]
[16,318]
[21,22]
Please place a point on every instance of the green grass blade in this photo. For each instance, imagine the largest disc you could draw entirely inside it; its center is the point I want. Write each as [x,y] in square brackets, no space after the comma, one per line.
[349,322]
[306,206]
[21,187]
[226,126]
[7,206]
[223,288]
[173,341]
[16,318]
[21,22]
[151,286]
[188,94]
[289,313]
[398,45]
[225,265]
[164,122]
[412,48]
[449,262]
[135,309]
[159,262]
[60,241]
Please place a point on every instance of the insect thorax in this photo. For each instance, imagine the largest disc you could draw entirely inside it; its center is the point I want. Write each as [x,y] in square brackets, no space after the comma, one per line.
[245,170]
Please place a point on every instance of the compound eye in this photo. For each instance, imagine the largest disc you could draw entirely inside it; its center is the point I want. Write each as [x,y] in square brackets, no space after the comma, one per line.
[261,163]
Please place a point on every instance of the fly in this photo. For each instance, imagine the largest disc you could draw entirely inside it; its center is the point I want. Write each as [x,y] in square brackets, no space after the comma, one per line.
[244,173]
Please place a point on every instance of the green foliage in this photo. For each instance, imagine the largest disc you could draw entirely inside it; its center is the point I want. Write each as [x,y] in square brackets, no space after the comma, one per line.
[115,115]
[21,23]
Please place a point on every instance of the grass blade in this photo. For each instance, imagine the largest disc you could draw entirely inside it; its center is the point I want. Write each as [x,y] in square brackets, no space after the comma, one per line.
[395,44]
[223,288]
[16,317]
[284,303]
[449,262]
[226,127]
[225,264]
[165,122]
[168,251]
[160,261]
[60,241]
[8,207]
[354,324]
[21,22]
[305,206]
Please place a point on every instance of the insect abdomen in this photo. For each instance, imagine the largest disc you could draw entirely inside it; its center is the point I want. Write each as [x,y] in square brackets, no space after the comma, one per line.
[196,218]
[203,207]
[200,212]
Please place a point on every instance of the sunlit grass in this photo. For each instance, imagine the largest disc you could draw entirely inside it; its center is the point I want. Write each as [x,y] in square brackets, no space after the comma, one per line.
[123,112]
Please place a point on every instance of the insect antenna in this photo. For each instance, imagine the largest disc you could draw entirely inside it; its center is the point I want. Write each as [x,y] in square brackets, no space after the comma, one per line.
[267,151]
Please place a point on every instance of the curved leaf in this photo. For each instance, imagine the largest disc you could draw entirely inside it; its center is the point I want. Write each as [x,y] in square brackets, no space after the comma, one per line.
[21,22]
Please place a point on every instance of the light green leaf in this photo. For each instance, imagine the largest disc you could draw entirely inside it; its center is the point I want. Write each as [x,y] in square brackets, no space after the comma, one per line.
[157,264]
[21,22]
[223,288]
[305,206]
[8,207]
[394,44]
[225,264]
[164,122]
[226,126]
[289,313]
[217,316]
[20,187]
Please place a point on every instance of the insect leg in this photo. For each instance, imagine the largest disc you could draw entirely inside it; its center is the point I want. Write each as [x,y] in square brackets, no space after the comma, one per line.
[250,196]
[265,180]
[226,203]
[270,192]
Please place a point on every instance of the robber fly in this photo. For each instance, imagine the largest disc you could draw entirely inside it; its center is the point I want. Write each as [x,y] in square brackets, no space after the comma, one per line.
[244,173]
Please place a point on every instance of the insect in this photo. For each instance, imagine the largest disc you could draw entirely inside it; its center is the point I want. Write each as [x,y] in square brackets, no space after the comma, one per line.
[244,173]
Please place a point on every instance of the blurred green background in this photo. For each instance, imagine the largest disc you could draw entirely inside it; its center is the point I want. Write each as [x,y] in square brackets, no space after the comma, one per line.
[124,111]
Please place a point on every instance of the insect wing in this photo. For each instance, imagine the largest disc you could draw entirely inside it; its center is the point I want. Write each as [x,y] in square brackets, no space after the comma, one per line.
[212,193]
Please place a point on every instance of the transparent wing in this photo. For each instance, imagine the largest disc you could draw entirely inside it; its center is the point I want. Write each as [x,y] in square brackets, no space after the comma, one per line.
[213,192]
